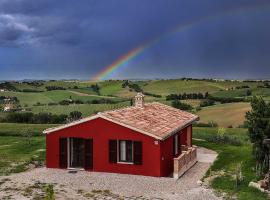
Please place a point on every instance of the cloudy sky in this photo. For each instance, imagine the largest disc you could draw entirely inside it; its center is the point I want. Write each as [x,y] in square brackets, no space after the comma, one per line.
[65,39]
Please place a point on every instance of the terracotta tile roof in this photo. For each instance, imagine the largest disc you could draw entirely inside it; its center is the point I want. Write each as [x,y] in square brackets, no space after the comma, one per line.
[154,118]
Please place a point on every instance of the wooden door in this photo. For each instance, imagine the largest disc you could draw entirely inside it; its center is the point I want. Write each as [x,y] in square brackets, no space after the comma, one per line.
[88,152]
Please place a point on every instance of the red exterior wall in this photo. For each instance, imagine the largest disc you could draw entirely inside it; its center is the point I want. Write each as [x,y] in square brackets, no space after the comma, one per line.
[101,131]
[166,147]
[157,158]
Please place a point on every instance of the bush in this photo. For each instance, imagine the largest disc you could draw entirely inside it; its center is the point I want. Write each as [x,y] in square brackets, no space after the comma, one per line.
[207,102]
[75,115]
[152,95]
[209,124]
[225,139]
[41,118]
[50,88]
[78,102]
[185,96]
[39,104]
[49,193]
[181,106]
[226,100]
[65,102]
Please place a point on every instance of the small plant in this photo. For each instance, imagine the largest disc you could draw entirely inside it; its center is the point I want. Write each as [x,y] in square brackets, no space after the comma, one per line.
[221,132]
[49,193]
[238,175]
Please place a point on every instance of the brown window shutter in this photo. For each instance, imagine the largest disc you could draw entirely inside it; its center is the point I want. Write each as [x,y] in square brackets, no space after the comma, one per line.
[137,152]
[113,151]
[88,152]
[63,152]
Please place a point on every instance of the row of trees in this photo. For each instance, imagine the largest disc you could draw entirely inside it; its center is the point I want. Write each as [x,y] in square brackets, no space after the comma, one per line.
[132,86]
[41,118]
[187,96]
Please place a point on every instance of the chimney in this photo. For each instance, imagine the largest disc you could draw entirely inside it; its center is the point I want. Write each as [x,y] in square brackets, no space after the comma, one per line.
[139,100]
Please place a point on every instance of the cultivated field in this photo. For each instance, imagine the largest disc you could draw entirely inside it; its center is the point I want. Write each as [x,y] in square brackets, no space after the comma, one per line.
[231,114]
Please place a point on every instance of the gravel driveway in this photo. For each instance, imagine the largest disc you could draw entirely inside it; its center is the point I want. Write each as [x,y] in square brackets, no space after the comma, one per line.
[93,185]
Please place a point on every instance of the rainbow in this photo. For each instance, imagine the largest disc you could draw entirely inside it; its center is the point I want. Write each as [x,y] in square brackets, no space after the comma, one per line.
[124,59]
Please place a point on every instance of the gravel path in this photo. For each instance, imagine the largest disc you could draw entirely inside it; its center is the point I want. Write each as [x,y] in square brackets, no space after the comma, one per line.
[93,185]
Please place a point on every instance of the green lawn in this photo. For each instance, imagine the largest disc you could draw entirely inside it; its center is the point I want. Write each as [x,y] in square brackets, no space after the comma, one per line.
[15,129]
[16,153]
[205,133]
[229,157]
[230,114]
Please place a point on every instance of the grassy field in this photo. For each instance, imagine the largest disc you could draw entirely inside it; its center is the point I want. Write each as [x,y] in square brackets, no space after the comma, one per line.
[16,153]
[223,169]
[48,96]
[231,114]
[85,109]
[165,87]
[13,129]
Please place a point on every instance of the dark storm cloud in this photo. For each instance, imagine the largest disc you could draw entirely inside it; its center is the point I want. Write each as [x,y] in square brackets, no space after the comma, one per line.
[84,36]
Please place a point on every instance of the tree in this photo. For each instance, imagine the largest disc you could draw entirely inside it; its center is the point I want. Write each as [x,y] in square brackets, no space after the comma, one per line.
[248,93]
[75,115]
[258,121]
[181,106]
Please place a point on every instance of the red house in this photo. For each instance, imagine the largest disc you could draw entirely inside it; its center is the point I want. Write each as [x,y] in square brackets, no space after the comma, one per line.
[150,139]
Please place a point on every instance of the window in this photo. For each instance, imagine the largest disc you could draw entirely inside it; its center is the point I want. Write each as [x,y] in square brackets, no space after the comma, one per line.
[125,151]
[175,146]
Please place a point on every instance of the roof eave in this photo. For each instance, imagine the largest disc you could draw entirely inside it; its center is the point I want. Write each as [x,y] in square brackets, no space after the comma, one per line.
[181,127]
[99,115]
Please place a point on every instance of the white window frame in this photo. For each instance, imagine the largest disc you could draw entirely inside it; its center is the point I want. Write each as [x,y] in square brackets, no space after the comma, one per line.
[118,153]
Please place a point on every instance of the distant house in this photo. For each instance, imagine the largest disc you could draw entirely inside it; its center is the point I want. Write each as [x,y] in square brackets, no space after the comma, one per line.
[150,139]
[2,90]
[8,108]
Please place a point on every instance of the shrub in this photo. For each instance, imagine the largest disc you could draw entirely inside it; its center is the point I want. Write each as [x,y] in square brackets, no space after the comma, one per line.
[182,106]
[49,193]
[75,115]
[64,102]
[209,124]
[50,88]
[152,95]
[40,118]
[207,102]
[187,96]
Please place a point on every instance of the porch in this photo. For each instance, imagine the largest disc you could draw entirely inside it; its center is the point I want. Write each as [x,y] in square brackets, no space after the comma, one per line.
[185,160]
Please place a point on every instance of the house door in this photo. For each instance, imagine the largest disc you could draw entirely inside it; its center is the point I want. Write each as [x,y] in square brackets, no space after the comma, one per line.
[88,154]
[76,148]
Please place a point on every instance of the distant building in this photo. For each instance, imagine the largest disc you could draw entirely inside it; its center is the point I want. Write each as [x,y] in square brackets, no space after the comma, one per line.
[2,90]
[8,108]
